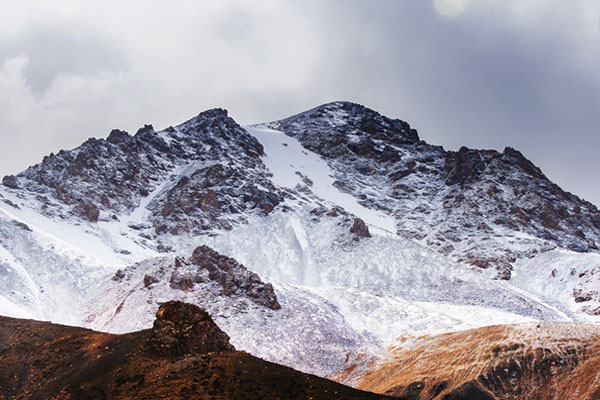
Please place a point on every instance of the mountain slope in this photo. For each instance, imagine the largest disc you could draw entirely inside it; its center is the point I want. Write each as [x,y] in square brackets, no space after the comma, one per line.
[364,232]
[461,196]
[533,361]
[185,355]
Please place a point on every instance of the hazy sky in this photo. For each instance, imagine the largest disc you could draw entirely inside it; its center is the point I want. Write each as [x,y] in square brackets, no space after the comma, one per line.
[480,73]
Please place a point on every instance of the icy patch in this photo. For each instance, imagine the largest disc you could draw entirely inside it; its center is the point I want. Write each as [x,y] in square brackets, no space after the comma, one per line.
[285,156]
[84,240]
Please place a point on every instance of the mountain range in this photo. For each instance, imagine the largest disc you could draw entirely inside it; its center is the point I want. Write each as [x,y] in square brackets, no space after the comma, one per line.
[321,241]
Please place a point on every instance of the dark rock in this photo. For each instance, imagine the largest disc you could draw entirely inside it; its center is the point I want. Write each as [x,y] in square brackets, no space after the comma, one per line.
[183,282]
[503,274]
[316,131]
[11,181]
[437,389]
[147,128]
[468,391]
[10,203]
[149,280]
[87,210]
[462,167]
[22,225]
[118,276]
[233,277]
[211,195]
[520,160]
[117,136]
[360,229]
[595,311]
[182,328]
[581,297]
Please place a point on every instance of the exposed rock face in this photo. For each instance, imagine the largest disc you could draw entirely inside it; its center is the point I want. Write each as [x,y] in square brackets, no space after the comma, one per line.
[208,198]
[360,229]
[225,175]
[529,362]
[182,328]
[466,197]
[206,269]
[346,130]
[233,277]
[87,210]
[10,181]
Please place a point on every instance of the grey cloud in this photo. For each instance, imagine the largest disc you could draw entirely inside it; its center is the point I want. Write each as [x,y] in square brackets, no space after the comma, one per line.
[505,73]
[53,50]
[479,81]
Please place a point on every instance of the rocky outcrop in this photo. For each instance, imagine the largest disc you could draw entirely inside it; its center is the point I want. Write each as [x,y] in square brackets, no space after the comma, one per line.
[467,198]
[115,174]
[233,277]
[11,181]
[182,328]
[348,130]
[205,270]
[464,166]
[211,197]
[87,210]
[360,229]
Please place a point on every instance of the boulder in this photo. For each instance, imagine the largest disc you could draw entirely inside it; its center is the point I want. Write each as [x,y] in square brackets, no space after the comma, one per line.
[360,229]
[182,328]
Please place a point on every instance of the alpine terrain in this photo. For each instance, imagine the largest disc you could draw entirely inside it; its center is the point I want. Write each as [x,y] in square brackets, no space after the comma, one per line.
[335,242]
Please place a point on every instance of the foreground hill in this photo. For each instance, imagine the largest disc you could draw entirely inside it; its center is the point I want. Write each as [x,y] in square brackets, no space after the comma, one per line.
[543,361]
[185,355]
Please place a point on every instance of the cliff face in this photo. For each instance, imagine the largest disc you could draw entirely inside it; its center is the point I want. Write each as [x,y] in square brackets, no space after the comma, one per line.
[185,355]
[532,361]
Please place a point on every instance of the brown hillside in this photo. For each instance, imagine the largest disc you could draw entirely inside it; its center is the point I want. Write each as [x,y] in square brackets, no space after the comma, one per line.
[184,356]
[546,361]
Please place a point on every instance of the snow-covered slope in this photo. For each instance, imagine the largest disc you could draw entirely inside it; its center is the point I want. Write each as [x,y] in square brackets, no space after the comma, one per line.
[364,232]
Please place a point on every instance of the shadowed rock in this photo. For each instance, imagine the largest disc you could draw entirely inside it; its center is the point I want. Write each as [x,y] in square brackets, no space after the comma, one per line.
[233,277]
[182,328]
[360,229]
[87,210]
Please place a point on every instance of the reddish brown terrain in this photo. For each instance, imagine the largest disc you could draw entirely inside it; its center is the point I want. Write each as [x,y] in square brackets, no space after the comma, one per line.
[184,356]
[537,361]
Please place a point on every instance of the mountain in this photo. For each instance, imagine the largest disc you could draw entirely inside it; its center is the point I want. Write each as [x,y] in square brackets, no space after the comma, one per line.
[531,361]
[313,242]
[185,355]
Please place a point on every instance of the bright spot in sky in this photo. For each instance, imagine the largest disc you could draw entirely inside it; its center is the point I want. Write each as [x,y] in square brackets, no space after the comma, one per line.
[451,8]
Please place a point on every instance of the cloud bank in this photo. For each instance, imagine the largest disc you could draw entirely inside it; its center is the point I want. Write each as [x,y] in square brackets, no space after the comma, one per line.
[485,74]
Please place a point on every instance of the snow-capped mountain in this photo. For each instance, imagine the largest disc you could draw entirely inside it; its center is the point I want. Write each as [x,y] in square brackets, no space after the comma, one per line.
[311,241]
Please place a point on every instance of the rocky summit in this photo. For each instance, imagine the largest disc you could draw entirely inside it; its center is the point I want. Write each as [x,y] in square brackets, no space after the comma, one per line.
[315,242]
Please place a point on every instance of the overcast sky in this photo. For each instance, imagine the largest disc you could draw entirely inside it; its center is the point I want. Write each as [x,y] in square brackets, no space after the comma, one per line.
[480,73]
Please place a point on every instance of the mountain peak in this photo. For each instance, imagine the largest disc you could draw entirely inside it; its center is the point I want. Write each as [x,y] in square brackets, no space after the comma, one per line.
[341,128]
[208,115]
